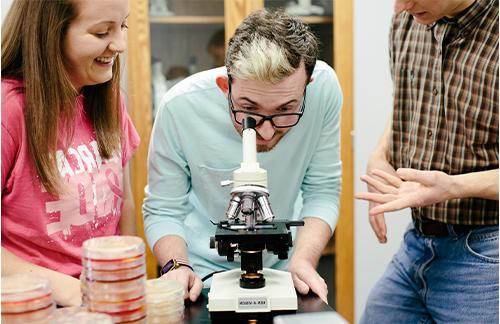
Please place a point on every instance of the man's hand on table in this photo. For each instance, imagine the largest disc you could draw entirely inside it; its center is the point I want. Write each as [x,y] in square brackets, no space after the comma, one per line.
[191,282]
[306,278]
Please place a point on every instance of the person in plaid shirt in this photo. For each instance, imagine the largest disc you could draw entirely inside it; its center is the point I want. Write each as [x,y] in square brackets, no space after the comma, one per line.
[439,156]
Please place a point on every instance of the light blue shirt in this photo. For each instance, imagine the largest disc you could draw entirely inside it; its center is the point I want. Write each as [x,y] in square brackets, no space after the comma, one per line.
[194,146]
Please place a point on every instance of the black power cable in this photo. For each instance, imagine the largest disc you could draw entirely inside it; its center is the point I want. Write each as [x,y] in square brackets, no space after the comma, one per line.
[211,274]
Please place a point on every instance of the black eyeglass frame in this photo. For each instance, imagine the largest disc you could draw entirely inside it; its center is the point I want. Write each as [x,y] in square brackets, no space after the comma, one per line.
[264,117]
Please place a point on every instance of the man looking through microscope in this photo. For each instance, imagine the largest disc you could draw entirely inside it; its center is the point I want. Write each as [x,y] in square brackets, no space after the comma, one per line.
[271,65]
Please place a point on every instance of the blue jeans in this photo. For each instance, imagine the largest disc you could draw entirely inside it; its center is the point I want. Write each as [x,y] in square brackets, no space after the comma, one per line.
[451,279]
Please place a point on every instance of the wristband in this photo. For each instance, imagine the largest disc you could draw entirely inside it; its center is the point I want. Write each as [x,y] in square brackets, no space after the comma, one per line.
[174,264]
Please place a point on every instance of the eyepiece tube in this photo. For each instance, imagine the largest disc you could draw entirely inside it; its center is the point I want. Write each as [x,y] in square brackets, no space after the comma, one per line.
[248,122]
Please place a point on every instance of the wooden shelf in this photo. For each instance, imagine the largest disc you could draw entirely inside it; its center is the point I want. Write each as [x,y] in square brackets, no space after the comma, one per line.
[207,20]
[181,20]
[316,20]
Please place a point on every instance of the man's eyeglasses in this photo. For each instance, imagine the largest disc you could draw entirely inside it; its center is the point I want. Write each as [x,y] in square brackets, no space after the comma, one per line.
[284,120]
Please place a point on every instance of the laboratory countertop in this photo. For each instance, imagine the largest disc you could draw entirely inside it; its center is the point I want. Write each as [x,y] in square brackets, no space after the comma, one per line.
[197,312]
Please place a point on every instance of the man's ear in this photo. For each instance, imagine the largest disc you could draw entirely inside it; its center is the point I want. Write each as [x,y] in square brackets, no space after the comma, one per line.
[222,84]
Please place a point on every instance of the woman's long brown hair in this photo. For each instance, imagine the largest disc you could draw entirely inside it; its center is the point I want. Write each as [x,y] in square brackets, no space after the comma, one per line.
[32,51]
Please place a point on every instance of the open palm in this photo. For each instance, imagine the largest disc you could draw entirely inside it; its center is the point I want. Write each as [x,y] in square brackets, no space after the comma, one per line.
[410,188]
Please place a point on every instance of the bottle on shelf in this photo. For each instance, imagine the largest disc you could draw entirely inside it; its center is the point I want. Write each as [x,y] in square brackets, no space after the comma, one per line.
[159,83]
[192,67]
[159,8]
[304,8]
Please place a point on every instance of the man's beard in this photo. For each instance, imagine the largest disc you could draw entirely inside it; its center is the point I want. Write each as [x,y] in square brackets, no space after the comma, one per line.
[264,148]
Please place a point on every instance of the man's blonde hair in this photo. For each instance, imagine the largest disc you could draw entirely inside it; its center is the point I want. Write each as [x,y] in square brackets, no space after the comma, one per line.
[269,46]
[261,60]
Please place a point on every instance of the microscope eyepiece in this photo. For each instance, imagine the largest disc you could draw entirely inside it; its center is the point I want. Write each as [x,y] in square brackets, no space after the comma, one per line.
[248,122]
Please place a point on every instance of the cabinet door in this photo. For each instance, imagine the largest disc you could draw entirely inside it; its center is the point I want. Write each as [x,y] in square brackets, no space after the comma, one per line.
[186,36]
[177,34]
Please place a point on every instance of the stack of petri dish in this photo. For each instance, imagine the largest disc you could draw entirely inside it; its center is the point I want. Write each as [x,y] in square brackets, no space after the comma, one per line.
[114,276]
[26,298]
[165,301]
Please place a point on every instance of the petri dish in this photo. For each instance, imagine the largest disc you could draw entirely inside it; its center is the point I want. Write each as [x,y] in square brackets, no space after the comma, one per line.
[112,248]
[24,293]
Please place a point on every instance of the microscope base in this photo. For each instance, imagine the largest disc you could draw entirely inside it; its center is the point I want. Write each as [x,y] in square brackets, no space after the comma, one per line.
[226,295]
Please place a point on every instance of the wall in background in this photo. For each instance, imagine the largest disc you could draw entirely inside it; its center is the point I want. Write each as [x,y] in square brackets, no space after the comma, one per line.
[5,7]
[372,108]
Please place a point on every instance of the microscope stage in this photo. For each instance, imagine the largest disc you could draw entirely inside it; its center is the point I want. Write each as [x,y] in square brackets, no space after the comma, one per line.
[226,295]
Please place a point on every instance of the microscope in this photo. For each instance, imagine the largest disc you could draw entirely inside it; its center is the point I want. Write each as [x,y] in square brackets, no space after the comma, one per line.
[250,228]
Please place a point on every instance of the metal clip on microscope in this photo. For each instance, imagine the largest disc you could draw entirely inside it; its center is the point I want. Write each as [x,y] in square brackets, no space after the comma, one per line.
[249,229]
